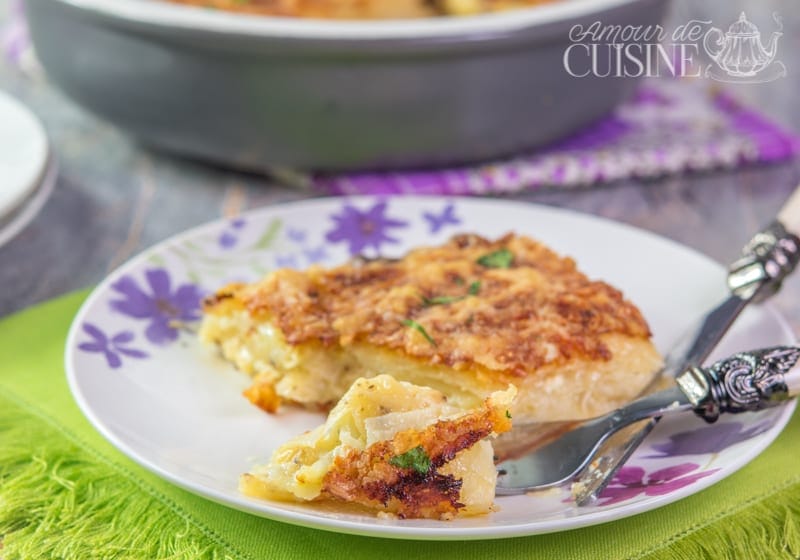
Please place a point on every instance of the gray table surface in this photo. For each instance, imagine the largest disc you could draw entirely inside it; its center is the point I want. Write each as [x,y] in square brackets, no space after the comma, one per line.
[114,198]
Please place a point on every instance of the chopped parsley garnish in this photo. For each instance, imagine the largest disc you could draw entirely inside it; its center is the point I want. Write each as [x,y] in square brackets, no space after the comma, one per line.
[497,259]
[508,414]
[415,458]
[411,323]
[473,290]
[440,300]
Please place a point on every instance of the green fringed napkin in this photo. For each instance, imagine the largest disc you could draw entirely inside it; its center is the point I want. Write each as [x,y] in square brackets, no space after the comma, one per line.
[66,493]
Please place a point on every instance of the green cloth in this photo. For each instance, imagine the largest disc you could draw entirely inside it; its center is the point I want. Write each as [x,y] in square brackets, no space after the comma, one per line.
[67,493]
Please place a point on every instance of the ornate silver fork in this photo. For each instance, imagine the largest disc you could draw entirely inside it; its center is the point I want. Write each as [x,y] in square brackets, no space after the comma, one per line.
[767,259]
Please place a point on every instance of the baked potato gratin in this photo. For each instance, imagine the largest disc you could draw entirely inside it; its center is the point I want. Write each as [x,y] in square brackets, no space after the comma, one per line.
[422,359]
[393,447]
[364,9]
[467,318]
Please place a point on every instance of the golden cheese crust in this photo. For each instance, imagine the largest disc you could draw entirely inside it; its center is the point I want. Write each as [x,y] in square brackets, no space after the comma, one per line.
[440,305]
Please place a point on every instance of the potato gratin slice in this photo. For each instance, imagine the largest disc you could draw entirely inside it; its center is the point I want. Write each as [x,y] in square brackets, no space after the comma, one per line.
[466,318]
[393,447]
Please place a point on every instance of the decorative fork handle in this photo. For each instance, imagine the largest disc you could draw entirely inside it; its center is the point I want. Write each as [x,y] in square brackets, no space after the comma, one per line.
[745,382]
[767,259]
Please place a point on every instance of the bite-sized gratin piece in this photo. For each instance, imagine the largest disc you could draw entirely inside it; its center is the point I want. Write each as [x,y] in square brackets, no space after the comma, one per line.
[394,448]
[467,318]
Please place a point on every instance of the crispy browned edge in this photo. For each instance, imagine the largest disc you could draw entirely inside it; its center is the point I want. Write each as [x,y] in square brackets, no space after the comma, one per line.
[368,478]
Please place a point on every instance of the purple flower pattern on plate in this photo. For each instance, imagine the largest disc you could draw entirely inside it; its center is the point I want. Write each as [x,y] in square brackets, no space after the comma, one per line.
[286,261]
[110,347]
[161,305]
[632,481]
[230,235]
[363,230]
[707,440]
[439,221]
[296,235]
[316,254]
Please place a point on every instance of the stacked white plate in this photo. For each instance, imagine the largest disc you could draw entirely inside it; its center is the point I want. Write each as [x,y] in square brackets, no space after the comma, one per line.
[27,170]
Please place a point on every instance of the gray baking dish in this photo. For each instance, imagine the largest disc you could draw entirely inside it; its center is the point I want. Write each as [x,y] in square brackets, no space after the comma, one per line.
[262,92]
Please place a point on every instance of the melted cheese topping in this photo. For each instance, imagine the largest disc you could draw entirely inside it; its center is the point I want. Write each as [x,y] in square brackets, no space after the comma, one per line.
[574,347]
[540,310]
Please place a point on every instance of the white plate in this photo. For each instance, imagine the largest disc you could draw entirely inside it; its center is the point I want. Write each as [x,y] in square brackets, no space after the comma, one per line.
[172,405]
[27,175]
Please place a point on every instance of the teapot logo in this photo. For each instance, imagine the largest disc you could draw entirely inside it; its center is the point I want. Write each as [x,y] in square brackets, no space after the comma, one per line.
[740,56]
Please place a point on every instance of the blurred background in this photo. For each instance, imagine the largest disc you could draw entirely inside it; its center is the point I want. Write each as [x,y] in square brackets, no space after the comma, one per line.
[774,99]
[113,196]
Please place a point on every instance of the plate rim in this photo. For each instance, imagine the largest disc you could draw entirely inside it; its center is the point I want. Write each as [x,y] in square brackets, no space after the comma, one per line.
[394,531]
[30,194]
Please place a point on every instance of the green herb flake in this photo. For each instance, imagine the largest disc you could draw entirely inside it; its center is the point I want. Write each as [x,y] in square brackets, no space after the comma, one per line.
[497,259]
[415,458]
[440,300]
[508,414]
[473,290]
[411,323]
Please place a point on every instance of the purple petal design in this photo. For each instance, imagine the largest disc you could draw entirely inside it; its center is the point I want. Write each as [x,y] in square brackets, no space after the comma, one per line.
[667,487]
[136,303]
[122,338]
[98,335]
[296,235]
[363,230]
[316,255]
[111,347]
[227,240]
[161,307]
[229,236]
[113,359]
[438,221]
[159,331]
[187,300]
[158,279]
[616,494]
[628,476]
[286,261]
[92,347]
[707,440]
[132,352]
[633,481]
[665,475]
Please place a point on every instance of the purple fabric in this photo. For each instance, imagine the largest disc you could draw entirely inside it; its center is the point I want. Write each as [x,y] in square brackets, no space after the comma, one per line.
[669,127]
[14,36]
